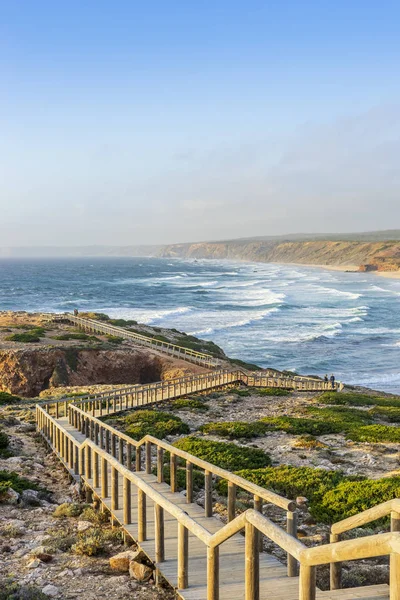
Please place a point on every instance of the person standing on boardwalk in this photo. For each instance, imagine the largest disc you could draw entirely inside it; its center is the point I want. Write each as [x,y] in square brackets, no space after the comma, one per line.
[333,381]
[326,378]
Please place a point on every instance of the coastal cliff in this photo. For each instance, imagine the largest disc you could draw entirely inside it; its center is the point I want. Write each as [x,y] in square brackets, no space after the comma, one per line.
[367,256]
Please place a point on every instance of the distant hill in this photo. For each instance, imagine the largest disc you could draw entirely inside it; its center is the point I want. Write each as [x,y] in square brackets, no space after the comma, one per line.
[374,250]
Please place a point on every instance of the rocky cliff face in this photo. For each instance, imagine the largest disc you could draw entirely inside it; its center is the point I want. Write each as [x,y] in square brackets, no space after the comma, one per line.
[27,372]
[384,255]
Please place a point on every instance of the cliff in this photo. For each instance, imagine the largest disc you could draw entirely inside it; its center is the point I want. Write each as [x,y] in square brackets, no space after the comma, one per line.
[378,255]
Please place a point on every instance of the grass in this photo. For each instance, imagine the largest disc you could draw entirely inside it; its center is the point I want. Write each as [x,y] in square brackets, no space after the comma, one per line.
[155,423]
[28,337]
[10,479]
[188,404]
[354,399]
[299,426]
[386,413]
[224,454]
[235,429]
[6,398]
[375,434]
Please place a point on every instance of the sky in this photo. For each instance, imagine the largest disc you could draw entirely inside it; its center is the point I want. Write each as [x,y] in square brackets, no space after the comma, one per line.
[131,122]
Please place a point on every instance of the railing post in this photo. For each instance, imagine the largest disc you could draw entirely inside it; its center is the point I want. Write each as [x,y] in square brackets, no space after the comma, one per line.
[148,458]
[127,501]
[395,560]
[208,493]
[252,564]
[129,456]
[172,470]
[291,527]
[213,573]
[121,450]
[88,466]
[95,470]
[159,533]
[231,501]
[104,478]
[142,533]
[138,458]
[189,482]
[160,464]
[335,568]
[183,557]
[114,488]
[307,583]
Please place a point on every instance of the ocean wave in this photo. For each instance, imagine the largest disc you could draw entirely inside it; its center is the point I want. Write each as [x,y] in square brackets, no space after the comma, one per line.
[247,320]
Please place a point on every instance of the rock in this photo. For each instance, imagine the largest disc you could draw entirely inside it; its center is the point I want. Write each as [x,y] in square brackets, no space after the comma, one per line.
[84,525]
[139,571]
[51,590]
[34,564]
[301,500]
[14,527]
[15,460]
[121,561]
[30,498]
[10,497]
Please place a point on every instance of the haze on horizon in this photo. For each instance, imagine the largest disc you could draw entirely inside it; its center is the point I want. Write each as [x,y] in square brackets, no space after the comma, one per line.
[127,124]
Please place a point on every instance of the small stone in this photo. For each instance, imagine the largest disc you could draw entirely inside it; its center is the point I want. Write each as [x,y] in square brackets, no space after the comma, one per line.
[34,564]
[10,497]
[301,500]
[84,525]
[121,561]
[51,590]
[139,571]
[30,498]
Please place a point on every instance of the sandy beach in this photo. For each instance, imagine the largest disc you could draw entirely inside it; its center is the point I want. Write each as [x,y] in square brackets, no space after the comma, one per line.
[350,269]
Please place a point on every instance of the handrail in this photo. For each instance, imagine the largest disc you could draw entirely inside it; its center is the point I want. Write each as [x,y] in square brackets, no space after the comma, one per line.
[379,544]
[254,489]
[367,516]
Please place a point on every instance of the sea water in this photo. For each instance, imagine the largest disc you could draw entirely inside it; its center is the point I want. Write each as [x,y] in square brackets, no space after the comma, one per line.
[303,319]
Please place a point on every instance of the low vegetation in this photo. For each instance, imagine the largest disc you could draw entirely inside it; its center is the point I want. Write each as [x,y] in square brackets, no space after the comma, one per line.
[386,413]
[153,422]
[28,337]
[375,433]
[355,399]
[13,591]
[188,404]
[226,455]
[10,479]
[6,398]
[235,429]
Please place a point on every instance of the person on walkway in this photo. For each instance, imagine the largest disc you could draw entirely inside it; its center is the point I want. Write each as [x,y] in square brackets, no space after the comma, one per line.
[75,312]
[326,378]
[333,381]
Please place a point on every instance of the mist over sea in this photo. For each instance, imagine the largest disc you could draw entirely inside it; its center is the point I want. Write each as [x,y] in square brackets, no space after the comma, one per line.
[305,319]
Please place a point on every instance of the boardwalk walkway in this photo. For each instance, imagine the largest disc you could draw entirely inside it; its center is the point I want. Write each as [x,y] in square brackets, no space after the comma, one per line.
[199,555]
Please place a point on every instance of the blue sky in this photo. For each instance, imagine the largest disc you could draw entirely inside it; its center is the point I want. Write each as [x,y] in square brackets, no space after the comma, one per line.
[182,121]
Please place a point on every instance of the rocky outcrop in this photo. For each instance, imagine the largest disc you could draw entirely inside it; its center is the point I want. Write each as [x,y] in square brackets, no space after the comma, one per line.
[27,372]
[385,255]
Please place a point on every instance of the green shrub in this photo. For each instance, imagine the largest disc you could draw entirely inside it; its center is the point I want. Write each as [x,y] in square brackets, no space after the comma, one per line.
[244,365]
[387,413]
[295,481]
[354,399]
[241,393]
[72,336]
[94,516]
[114,339]
[10,479]
[375,433]
[224,454]
[155,423]
[26,338]
[122,322]
[308,442]
[4,440]
[235,429]
[14,591]
[188,403]
[270,391]
[70,509]
[349,498]
[343,416]
[89,543]
[298,426]
[6,398]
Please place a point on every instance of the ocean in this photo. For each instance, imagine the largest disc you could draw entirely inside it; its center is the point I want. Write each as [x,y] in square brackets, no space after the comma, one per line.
[303,319]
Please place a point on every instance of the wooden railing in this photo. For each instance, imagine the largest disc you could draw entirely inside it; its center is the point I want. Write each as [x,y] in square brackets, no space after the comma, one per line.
[91,325]
[390,508]
[106,451]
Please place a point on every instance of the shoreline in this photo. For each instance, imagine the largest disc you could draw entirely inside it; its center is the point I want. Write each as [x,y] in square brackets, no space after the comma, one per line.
[347,269]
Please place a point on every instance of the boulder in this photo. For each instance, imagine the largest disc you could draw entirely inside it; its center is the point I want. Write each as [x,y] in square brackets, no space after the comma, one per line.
[30,498]
[139,571]
[84,525]
[51,590]
[120,562]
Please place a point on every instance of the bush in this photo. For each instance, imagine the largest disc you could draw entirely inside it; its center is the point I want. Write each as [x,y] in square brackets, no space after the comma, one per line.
[189,404]
[70,509]
[10,479]
[122,322]
[298,426]
[224,454]
[295,481]
[4,440]
[308,442]
[89,543]
[375,433]
[26,338]
[155,423]
[354,399]
[387,413]
[14,591]
[6,398]
[241,393]
[270,391]
[349,498]
[72,336]
[235,429]
[344,417]
[94,516]
[114,339]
